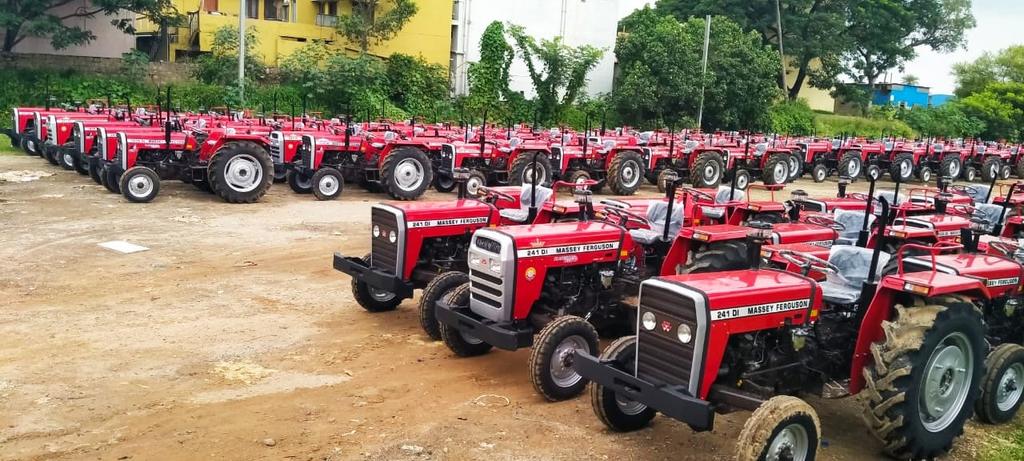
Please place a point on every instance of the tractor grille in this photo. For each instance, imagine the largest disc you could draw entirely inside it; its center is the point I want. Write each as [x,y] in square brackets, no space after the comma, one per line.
[78,136]
[556,157]
[307,152]
[491,272]
[661,357]
[277,147]
[51,131]
[447,157]
[385,255]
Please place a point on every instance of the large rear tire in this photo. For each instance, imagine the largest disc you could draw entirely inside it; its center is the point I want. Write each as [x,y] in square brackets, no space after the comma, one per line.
[851,164]
[521,172]
[434,291]
[782,428]
[462,344]
[372,299]
[626,172]
[902,167]
[796,166]
[552,373]
[776,170]
[406,173]
[952,166]
[707,170]
[618,412]
[241,172]
[990,168]
[925,378]
[717,257]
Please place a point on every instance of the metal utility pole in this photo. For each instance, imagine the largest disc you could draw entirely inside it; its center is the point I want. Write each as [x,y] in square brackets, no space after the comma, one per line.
[704,69]
[778,30]
[241,49]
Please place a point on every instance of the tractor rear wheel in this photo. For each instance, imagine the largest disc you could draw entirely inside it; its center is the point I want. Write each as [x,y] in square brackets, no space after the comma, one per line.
[902,167]
[1003,385]
[437,288]
[783,427]
[551,358]
[952,166]
[990,168]
[241,172]
[707,170]
[372,299]
[851,164]
[300,183]
[327,183]
[924,380]
[521,171]
[616,411]
[796,166]
[406,173]
[625,172]
[663,179]
[140,184]
[776,170]
[462,344]
[716,257]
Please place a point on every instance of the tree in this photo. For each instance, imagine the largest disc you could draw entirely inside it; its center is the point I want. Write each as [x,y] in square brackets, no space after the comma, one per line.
[1001,107]
[21,19]
[368,24]
[660,72]
[488,78]
[809,32]
[220,65]
[885,33]
[414,84]
[911,80]
[558,71]
[1005,66]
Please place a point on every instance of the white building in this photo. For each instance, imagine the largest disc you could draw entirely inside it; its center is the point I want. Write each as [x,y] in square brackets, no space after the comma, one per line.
[578,22]
[110,42]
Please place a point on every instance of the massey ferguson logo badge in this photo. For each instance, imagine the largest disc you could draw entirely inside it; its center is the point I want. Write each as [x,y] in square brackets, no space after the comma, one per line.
[567,249]
[447,222]
[666,326]
[1003,282]
[536,243]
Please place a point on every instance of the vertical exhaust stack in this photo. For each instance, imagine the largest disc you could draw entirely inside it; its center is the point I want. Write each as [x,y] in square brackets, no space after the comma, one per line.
[760,232]
[671,183]
[864,234]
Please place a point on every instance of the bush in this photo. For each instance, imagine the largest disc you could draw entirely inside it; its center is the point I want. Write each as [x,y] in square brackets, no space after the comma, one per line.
[791,117]
[840,125]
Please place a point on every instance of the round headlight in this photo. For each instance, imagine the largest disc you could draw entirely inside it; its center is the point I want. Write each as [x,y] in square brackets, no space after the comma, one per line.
[392,236]
[648,320]
[376,230]
[684,334]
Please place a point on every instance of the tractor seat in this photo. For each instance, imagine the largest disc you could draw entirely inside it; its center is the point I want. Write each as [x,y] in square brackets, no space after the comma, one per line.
[853,263]
[989,212]
[890,197]
[656,211]
[852,221]
[722,196]
[977,193]
[520,215]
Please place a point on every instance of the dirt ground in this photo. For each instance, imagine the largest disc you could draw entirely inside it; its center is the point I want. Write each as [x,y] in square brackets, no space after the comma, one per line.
[233,338]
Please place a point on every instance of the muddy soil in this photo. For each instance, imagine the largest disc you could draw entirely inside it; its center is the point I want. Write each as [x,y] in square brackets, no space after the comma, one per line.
[233,338]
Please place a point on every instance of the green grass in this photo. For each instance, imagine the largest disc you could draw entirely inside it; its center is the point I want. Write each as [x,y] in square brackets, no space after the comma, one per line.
[5,147]
[837,125]
[1005,446]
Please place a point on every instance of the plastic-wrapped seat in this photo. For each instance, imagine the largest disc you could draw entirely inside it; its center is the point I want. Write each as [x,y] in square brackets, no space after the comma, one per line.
[977,192]
[656,216]
[853,264]
[990,213]
[722,196]
[852,221]
[525,200]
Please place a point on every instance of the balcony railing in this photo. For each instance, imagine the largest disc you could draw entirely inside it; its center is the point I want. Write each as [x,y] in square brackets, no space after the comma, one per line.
[324,20]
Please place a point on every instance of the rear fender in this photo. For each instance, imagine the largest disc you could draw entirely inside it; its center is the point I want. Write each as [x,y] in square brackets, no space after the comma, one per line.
[677,254]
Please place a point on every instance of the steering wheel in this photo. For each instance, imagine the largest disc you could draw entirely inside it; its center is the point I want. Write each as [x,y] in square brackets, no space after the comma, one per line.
[1007,249]
[858,196]
[808,262]
[486,192]
[962,189]
[698,194]
[625,217]
[961,209]
[825,221]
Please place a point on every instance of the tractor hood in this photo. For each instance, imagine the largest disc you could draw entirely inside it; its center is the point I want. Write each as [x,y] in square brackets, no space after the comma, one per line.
[565,238]
[446,213]
[998,273]
[943,226]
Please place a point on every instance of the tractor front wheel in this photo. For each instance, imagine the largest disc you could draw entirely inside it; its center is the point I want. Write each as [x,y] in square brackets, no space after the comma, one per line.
[783,427]
[65,158]
[443,183]
[551,367]
[902,167]
[819,173]
[112,178]
[140,184]
[619,412]
[477,179]
[1003,386]
[241,172]
[94,171]
[626,172]
[462,344]
[434,291]
[776,170]
[327,183]
[373,299]
[990,169]
[925,174]
[406,173]
[924,380]
[299,182]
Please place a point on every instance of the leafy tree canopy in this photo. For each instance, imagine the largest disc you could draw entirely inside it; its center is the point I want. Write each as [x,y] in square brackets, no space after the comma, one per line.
[369,23]
[1004,66]
[21,19]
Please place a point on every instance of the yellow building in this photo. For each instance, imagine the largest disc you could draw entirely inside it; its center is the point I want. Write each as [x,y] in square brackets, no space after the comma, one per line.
[286,25]
[818,98]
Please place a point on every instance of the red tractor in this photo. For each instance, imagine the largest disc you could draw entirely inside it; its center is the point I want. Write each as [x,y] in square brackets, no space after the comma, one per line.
[912,343]
[770,164]
[703,165]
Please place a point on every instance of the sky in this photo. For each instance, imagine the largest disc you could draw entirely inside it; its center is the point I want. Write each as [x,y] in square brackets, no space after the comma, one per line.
[998,27]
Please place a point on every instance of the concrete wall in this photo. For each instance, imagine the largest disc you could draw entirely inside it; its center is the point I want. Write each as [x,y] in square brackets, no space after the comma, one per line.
[109,43]
[159,72]
[579,22]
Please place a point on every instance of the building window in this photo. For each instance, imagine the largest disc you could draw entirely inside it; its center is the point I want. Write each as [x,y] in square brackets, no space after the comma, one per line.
[277,10]
[252,9]
[210,5]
